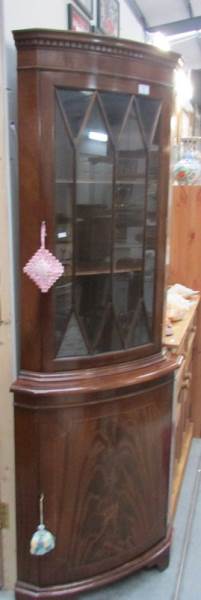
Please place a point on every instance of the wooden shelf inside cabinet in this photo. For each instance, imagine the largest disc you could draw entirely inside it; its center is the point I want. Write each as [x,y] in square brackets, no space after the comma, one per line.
[181,344]
[122,181]
[86,270]
[83,272]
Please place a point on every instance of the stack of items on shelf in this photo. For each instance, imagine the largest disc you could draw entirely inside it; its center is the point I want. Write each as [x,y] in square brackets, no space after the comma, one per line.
[179,299]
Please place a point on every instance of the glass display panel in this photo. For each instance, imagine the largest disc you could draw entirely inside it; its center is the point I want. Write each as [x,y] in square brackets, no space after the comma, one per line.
[139,332]
[94,186]
[106,190]
[63,221]
[62,304]
[115,106]
[94,306]
[150,245]
[127,292]
[129,226]
[73,342]
[149,110]
[130,195]
[75,104]
[64,158]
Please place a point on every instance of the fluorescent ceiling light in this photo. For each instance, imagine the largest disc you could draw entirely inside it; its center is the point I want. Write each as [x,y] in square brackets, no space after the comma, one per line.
[159,40]
[98,136]
[184,36]
[183,87]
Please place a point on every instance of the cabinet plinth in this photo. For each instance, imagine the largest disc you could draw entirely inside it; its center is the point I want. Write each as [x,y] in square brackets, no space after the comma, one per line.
[93,400]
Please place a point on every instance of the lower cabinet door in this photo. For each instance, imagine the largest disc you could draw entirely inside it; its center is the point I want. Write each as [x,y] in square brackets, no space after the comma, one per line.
[103,467]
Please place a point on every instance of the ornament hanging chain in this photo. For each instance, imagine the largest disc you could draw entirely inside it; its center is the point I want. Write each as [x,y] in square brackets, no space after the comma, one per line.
[41,509]
[43,234]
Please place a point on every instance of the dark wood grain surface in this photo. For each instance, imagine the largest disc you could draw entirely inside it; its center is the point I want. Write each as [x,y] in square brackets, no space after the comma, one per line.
[99,467]
[93,432]
[47,61]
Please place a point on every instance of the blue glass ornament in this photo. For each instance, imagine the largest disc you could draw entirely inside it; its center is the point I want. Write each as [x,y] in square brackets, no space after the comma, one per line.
[42,541]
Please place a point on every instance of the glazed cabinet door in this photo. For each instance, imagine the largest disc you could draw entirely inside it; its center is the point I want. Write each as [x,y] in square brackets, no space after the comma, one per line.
[101,164]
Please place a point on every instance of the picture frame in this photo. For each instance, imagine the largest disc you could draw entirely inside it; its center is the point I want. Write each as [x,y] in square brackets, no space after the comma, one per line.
[86,6]
[108,17]
[94,29]
[76,20]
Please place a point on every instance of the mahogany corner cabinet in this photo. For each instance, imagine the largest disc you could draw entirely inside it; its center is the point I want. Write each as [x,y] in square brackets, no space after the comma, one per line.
[93,398]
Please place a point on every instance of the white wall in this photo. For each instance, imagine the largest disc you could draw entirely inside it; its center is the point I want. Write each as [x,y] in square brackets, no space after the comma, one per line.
[129,26]
[7,337]
[19,14]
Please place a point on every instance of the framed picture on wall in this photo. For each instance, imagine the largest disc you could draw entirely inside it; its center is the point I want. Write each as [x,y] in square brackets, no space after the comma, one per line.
[76,20]
[108,16]
[86,6]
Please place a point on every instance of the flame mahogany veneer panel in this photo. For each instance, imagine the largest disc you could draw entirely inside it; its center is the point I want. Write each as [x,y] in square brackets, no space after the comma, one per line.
[104,470]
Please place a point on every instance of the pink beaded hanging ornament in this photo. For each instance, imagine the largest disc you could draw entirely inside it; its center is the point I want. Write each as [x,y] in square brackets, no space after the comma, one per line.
[43,268]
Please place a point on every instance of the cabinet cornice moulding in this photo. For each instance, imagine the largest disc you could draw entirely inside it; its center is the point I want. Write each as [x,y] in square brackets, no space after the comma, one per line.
[58,40]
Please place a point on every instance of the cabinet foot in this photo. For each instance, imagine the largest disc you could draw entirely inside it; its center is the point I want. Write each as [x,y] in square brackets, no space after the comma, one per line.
[163,561]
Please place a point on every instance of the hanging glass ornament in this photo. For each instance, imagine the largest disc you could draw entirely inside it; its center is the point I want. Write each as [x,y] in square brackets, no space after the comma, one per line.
[42,541]
[187,170]
[43,268]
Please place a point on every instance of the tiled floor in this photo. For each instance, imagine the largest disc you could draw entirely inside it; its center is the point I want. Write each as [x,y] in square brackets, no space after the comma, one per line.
[182,580]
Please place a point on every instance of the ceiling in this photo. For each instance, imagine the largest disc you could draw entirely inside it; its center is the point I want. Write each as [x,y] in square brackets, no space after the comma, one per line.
[180,20]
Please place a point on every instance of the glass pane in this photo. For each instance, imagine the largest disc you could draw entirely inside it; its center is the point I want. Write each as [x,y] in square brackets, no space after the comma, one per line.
[105,229]
[129,226]
[131,149]
[63,192]
[151,225]
[130,196]
[149,110]
[93,305]
[138,334]
[92,298]
[63,148]
[63,215]
[109,338]
[149,279]
[62,303]
[73,343]
[94,196]
[75,104]
[115,106]
[63,223]
[127,291]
